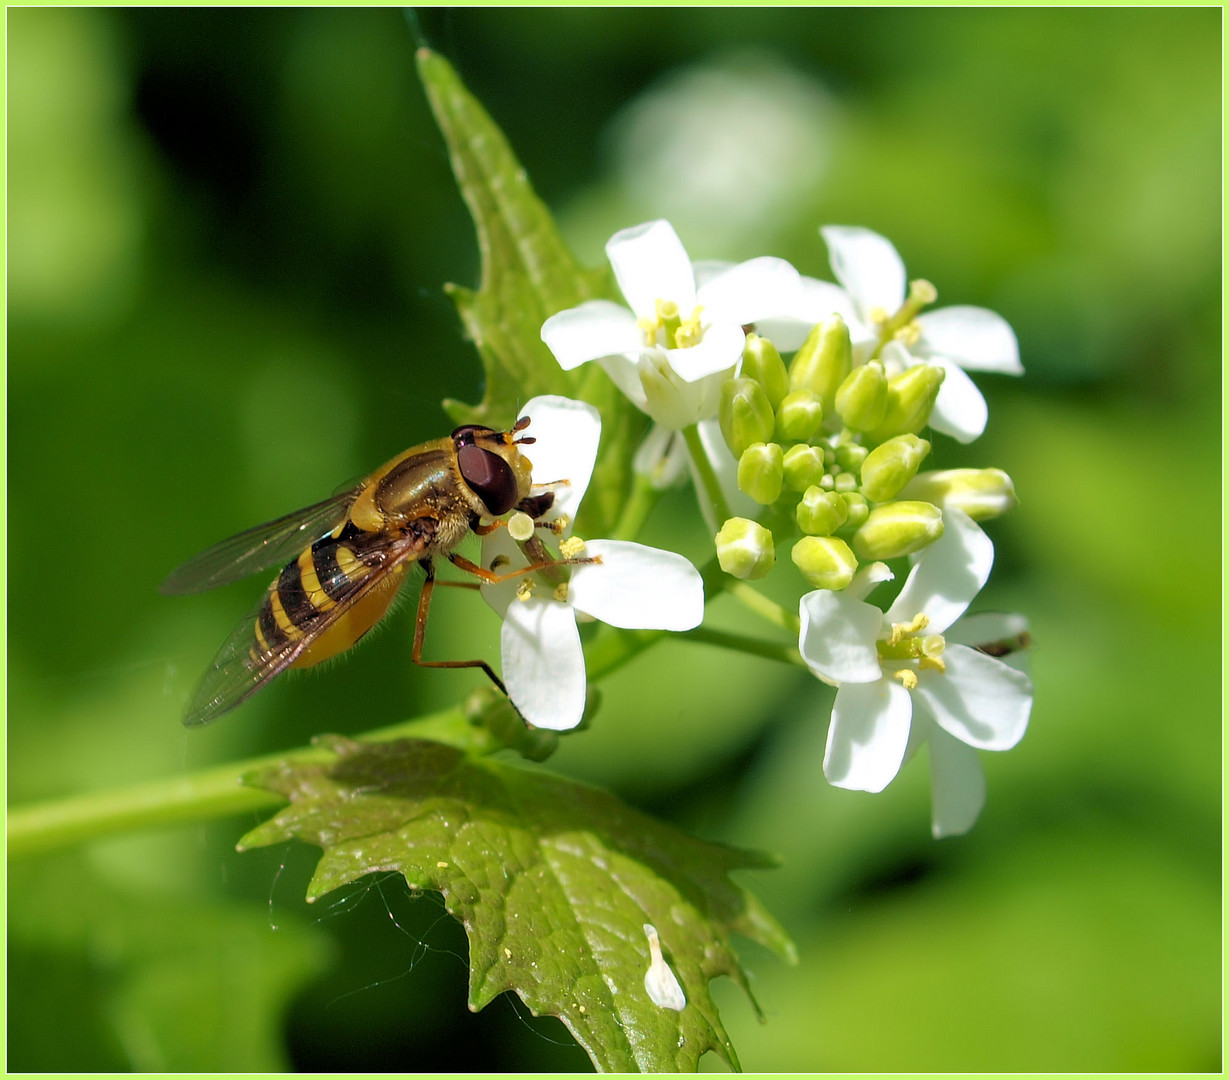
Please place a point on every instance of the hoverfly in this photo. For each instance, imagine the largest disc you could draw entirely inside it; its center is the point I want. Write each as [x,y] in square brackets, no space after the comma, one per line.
[346,557]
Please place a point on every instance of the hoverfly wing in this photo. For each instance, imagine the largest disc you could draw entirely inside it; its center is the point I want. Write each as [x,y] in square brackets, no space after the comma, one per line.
[259,548]
[260,649]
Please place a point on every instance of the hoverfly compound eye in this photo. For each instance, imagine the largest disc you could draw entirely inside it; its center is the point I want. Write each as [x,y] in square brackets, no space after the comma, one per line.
[467,433]
[490,476]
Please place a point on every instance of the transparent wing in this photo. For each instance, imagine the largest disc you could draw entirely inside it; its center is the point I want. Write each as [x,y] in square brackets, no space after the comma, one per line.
[259,548]
[243,664]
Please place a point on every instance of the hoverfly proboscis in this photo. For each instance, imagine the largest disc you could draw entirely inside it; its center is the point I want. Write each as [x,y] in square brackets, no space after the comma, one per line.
[345,559]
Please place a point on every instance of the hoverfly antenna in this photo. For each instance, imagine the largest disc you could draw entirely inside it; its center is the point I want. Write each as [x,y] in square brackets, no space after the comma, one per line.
[521,424]
[527,440]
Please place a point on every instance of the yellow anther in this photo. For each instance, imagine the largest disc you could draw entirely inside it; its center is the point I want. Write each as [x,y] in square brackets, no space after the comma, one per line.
[561,592]
[908,678]
[909,333]
[571,547]
[524,590]
[932,663]
[878,315]
[901,630]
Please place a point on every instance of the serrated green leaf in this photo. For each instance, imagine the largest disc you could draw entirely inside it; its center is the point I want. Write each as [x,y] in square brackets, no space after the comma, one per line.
[528,273]
[552,880]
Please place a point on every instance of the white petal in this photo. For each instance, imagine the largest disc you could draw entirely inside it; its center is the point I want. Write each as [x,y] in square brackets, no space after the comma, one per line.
[707,269]
[671,401]
[986,627]
[543,665]
[978,699]
[661,458]
[567,434]
[947,575]
[868,735]
[499,545]
[624,372]
[976,338]
[838,635]
[651,264]
[816,301]
[751,291]
[989,627]
[867,265]
[637,587]
[960,410]
[719,350]
[957,783]
[596,328]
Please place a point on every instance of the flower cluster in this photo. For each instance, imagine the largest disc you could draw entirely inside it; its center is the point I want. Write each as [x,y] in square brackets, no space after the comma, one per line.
[825,452]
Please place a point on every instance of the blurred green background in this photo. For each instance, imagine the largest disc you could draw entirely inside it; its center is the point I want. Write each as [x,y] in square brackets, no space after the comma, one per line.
[228,236]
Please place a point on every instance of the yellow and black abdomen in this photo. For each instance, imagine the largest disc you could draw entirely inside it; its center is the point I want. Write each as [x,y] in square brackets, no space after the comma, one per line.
[302,603]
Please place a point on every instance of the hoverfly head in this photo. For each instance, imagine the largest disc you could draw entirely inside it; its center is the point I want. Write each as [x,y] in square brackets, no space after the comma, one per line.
[492,466]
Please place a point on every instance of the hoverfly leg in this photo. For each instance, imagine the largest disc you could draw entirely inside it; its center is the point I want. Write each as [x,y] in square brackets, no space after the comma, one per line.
[420,631]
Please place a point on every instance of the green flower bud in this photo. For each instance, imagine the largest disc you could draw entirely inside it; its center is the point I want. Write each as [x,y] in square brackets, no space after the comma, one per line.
[799,417]
[849,456]
[857,510]
[804,465]
[821,513]
[980,493]
[825,561]
[745,549]
[763,363]
[891,465]
[823,361]
[745,414]
[898,528]
[761,471]
[863,397]
[845,482]
[911,396]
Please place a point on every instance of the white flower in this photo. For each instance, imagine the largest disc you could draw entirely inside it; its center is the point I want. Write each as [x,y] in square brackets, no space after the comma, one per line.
[632,586]
[903,678]
[670,353]
[957,339]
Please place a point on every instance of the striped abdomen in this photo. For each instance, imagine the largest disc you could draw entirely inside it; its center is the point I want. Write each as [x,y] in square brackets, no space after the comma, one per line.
[329,574]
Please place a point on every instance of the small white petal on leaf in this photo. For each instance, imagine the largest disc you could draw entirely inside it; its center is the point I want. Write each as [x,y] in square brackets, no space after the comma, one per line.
[868,735]
[659,981]
[638,587]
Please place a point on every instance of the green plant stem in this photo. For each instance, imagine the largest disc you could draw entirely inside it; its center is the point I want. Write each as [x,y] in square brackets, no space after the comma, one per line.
[771,650]
[640,501]
[210,793]
[767,609]
[704,469]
